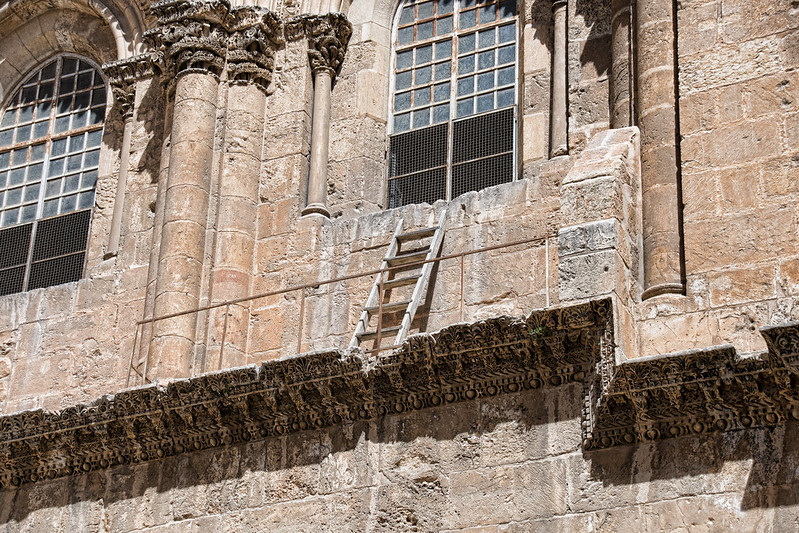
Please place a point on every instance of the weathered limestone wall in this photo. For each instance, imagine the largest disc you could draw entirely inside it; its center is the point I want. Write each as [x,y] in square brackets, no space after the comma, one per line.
[70,343]
[738,110]
[508,463]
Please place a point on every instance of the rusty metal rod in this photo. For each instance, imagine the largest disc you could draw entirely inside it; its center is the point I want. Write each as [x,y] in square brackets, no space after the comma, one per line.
[343,278]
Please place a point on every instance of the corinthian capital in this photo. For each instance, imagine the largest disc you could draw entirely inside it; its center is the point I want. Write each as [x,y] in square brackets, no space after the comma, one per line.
[191,35]
[255,35]
[124,74]
[328,36]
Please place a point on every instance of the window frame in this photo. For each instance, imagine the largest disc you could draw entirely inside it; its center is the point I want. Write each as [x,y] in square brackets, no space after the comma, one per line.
[82,215]
[455,35]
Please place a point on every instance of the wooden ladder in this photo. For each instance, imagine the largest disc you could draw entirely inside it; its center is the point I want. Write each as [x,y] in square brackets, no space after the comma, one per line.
[401,268]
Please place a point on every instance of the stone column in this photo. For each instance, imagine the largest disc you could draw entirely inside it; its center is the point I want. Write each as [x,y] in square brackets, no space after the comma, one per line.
[320,141]
[146,333]
[559,120]
[126,110]
[194,44]
[620,102]
[251,50]
[123,75]
[660,164]
[328,36]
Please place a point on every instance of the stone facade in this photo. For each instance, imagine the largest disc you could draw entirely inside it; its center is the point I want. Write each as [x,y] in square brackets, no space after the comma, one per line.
[606,345]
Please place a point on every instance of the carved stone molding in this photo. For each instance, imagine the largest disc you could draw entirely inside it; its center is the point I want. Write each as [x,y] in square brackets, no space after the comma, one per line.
[328,36]
[706,391]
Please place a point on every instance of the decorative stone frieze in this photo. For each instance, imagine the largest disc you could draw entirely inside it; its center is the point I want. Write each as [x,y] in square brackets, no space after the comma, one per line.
[328,36]
[641,400]
[254,38]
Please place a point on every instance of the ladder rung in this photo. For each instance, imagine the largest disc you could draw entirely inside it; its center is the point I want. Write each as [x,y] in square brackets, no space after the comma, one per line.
[367,336]
[400,282]
[389,307]
[417,234]
[411,257]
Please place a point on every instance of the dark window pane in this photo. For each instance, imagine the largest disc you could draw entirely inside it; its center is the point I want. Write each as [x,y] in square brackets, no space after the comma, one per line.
[14,251]
[418,150]
[483,136]
[56,271]
[70,65]
[478,175]
[61,235]
[427,186]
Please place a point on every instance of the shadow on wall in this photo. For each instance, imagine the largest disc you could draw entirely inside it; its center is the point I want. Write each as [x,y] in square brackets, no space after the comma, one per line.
[595,19]
[507,448]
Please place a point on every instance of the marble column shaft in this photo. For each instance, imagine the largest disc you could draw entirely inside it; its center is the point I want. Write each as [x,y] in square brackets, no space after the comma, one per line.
[559,120]
[231,276]
[320,140]
[185,219]
[620,80]
[660,165]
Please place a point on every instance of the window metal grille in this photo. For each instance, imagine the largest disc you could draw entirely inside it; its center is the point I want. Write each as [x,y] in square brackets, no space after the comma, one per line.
[453,59]
[50,136]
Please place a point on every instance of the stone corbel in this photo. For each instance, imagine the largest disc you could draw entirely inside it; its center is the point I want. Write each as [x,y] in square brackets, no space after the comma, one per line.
[328,36]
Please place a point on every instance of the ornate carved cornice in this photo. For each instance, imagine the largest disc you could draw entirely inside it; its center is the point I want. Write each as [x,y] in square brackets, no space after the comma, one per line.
[124,74]
[640,400]
[328,36]
[315,390]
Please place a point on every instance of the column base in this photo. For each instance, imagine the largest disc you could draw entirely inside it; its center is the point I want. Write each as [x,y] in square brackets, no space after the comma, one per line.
[316,209]
[663,288]
[559,151]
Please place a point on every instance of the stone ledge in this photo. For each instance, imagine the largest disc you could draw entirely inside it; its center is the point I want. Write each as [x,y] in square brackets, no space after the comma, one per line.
[646,399]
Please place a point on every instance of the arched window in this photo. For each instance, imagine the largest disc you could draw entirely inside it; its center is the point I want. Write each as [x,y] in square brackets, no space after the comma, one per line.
[50,135]
[453,99]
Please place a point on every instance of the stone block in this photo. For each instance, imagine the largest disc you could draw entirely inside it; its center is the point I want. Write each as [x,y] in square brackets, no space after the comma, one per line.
[740,239]
[590,237]
[592,275]
[788,276]
[736,62]
[677,333]
[697,113]
[592,199]
[589,483]
[742,285]
[698,27]
[700,193]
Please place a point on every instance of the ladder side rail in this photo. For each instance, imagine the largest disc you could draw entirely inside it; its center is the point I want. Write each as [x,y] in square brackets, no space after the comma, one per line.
[374,293]
[422,282]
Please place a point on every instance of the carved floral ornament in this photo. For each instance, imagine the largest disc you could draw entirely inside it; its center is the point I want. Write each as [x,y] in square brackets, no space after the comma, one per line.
[700,392]
[209,36]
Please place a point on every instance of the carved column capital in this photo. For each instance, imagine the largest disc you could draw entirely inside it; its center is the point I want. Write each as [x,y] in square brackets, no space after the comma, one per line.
[328,36]
[255,35]
[191,35]
[124,74]
[557,4]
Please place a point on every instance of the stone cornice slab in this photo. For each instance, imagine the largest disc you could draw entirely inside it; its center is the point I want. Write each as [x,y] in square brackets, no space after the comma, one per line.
[646,399]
